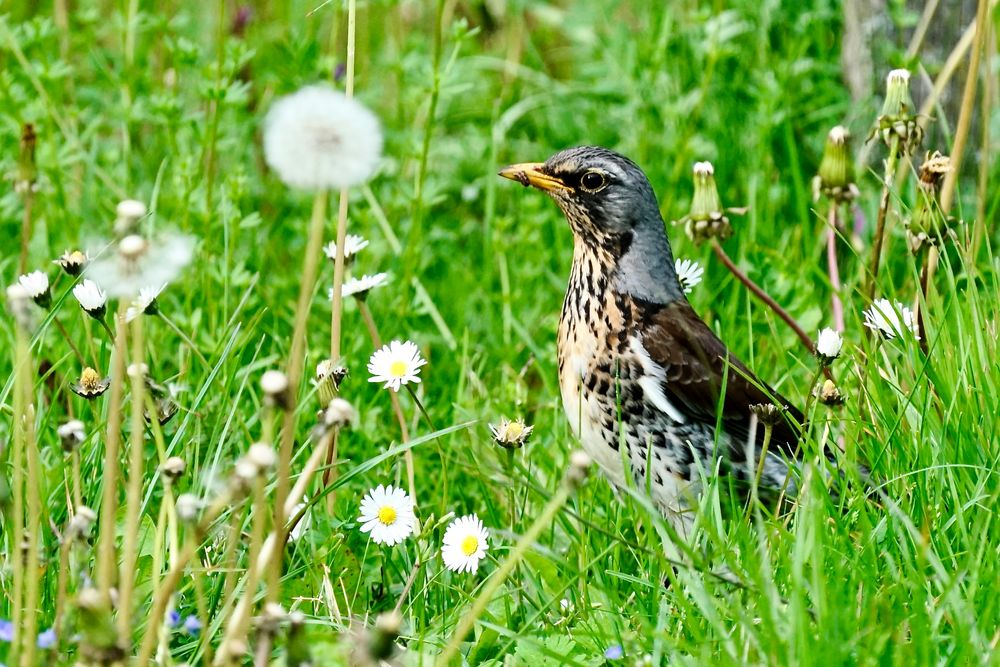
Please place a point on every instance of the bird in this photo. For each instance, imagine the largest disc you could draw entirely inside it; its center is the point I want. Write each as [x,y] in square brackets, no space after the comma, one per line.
[650,392]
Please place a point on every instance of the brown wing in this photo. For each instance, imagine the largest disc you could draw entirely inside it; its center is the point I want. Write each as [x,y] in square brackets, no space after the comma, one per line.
[696,362]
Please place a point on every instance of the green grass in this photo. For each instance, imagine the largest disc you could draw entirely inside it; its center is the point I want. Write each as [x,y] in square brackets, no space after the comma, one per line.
[479,268]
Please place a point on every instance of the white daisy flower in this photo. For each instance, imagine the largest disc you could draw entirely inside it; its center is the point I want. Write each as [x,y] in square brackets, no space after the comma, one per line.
[92,299]
[387,513]
[139,264]
[71,434]
[353,244]
[359,287]
[465,544]
[304,524]
[689,273]
[396,364]
[890,319]
[36,284]
[829,342]
[145,302]
[318,138]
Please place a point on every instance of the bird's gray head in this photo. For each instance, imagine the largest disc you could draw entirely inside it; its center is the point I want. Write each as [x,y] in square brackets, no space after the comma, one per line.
[612,210]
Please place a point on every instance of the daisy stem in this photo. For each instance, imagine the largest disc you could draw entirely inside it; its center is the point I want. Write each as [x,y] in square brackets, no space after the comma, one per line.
[338,262]
[61,582]
[883,209]
[184,337]
[397,409]
[921,304]
[420,406]
[107,329]
[294,372]
[761,458]
[406,587]
[133,494]
[833,267]
[496,579]
[77,485]
[69,341]
[759,292]
[109,496]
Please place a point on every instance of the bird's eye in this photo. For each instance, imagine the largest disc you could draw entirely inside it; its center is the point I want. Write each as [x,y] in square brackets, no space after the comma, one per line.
[593,181]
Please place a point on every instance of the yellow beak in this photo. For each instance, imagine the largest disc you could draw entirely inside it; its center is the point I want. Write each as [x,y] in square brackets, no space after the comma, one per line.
[530,173]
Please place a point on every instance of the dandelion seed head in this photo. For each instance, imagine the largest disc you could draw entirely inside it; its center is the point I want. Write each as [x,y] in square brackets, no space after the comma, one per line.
[140,264]
[318,138]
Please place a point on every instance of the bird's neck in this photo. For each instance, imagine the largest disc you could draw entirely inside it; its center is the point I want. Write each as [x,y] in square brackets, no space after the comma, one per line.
[641,266]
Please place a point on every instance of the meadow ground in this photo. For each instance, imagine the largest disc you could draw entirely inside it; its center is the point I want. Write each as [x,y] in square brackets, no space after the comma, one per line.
[165,103]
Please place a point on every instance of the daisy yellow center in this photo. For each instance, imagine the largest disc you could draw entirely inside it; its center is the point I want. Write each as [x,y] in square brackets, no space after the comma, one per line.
[470,545]
[397,369]
[387,515]
[89,379]
[514,430]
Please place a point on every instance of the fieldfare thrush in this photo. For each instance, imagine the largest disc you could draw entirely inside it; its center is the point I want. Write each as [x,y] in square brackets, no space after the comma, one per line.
[638,369]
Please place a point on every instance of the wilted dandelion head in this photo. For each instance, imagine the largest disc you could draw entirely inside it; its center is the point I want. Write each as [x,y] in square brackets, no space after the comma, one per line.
[318,139]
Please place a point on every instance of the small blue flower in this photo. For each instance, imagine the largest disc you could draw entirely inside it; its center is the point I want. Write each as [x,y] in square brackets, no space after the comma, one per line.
[192,625]
[614,652]
[173,618]
[47,639]
[6,630]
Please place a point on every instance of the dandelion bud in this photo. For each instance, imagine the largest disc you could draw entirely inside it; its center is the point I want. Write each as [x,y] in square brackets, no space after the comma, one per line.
[271,618]
[297,653]
[339,414]
[769,414]
[188,506]
[72,262]
[927,224]
[829,342]
[99,639]
[897,121]
[275,386]
[173,469]
[382,642]
[579,465]
[91,384]
[835,179]
[829,394]
[707,218]
[27,171]
[71,434]
[511,434]
[91,298]
[19,305]
[36,284]
[81,523]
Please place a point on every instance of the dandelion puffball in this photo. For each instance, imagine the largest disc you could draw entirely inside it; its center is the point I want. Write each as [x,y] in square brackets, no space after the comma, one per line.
[318,138]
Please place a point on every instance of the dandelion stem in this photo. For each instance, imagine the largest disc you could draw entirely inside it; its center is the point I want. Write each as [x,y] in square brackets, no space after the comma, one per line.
[763,296]
[133,494]
[29,203]
[239,620]
[506,567]
[109,495]
[883,209]
[22,393]
[32,535]
[184,337]
[409,584]
[834,268]
[339,260]
[397,409]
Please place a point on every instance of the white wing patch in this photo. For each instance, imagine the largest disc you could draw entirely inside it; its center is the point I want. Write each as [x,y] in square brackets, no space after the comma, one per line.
[653,377]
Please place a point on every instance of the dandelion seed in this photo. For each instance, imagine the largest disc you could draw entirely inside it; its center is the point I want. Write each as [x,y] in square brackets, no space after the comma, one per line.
[91,298]
[72,262]
[689,273]
[511,434]
[71,434]
[359,287]
[139,264]
[353,244]
[829,342]
[465,543]
[145,303]
[890,319]
[90,384]
[396,364]
[36,284]
[387,514]
[318,138]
